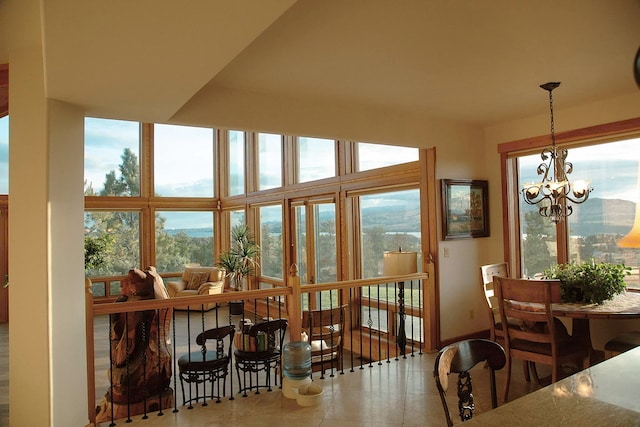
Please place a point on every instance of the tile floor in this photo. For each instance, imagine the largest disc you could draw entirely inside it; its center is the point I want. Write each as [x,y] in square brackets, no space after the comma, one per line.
[399,393]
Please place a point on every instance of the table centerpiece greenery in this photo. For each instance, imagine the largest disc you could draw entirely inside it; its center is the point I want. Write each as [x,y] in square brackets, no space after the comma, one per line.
[589,282]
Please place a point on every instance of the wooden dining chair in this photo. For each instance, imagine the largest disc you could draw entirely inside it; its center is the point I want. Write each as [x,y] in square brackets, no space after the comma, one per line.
[532,333]
[496,331]
[325,329]
[459,358]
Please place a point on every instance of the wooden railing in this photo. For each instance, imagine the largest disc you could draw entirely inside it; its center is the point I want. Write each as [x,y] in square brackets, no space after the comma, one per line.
[363,339]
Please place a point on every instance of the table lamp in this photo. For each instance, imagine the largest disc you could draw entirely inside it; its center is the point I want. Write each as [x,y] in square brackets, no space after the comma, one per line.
[397,264]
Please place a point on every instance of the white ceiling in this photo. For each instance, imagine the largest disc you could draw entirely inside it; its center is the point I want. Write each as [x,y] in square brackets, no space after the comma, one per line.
[476,62]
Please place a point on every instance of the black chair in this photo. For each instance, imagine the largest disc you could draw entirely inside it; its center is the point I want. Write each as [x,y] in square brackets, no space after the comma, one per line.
[459,358]
[262,354]
[207,365]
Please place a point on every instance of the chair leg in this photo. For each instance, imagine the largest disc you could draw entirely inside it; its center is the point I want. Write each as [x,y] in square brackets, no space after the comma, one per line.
[534,372]
[525,369]
[507,379]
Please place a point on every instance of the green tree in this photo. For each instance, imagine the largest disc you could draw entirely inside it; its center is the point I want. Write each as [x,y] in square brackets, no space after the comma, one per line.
[128,183]
[536,256]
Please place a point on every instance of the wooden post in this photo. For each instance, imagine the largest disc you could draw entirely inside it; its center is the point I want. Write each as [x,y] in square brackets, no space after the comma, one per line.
[294,304]
[91,379]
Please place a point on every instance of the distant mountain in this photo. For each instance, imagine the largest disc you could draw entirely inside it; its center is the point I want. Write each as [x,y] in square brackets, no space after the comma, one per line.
[596,215]
[610,216]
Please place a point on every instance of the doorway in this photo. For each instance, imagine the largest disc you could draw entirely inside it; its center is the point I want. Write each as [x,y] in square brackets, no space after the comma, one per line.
[315,243]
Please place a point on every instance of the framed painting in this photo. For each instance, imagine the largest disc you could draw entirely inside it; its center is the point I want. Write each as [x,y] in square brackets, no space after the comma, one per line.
[465,209]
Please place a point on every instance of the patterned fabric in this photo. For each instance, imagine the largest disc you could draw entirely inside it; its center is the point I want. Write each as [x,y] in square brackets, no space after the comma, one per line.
[197,278]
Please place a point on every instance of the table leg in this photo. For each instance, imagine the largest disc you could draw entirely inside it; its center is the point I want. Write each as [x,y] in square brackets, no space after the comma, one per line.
[582,332]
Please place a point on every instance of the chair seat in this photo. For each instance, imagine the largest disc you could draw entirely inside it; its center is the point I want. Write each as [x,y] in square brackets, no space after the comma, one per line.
[623,342]
[565,348]
[196,361]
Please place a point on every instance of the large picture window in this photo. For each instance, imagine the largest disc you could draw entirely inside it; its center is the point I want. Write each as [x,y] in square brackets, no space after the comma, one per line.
[111,157]
[271,241]
[236,145]
[595,226]
[373,156]
[183,159]
[120,232]
[183,238]
[269,161]
[316,159]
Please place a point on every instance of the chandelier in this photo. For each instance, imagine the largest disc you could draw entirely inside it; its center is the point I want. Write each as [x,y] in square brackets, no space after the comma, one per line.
[554,191]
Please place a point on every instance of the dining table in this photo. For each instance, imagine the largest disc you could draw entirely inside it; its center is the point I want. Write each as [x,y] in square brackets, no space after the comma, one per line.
[606,394]
[623,306]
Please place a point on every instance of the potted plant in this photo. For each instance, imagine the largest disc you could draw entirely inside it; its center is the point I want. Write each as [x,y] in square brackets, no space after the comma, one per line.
[242,258]
[589,282]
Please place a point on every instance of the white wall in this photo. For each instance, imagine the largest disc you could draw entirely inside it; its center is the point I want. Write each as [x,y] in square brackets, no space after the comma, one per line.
[47,373]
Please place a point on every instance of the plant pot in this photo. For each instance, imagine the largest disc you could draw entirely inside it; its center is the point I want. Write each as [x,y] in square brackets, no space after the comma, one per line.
[236,307]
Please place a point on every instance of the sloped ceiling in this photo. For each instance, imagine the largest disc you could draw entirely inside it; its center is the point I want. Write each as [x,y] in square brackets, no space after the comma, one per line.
[472,62]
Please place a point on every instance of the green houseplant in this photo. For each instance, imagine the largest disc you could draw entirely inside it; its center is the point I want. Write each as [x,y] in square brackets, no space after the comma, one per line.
[589,282]
[242,258]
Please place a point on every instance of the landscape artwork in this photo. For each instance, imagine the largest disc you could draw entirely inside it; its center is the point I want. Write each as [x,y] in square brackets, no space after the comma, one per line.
[465,209]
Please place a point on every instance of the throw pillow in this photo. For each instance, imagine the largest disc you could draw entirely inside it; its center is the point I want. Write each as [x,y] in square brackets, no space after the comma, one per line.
[197,278]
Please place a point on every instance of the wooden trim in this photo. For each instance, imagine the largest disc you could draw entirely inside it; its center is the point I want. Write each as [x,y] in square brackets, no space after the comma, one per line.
[429,233]
[591,132]
[4,90]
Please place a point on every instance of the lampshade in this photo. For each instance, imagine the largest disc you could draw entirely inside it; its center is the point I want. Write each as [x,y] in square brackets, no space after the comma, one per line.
[632,239]
[397,263]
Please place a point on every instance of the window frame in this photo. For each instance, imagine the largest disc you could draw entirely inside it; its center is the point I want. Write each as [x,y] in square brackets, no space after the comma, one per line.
[510,151]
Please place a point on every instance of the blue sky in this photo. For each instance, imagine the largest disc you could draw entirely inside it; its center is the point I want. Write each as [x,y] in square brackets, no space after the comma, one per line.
[612,173]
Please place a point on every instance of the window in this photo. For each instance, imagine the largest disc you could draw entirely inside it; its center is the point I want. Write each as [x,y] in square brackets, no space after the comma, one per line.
[596,225]
[271,241]
[237,218]
[183,238]
[183,159]
[111,158]
[236,162]
[537,234]
[389,222]
[316,159]
[4,155]
[270,161]
[373,156]
[120,230]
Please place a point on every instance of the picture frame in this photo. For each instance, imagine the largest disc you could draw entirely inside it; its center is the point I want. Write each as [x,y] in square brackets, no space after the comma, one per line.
[465,208]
